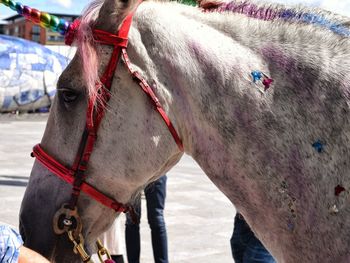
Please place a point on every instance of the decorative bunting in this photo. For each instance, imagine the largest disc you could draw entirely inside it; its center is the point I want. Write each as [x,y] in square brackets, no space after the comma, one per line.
[37,17]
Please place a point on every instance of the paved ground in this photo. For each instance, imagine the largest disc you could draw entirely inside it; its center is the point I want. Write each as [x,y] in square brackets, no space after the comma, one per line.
[199,218]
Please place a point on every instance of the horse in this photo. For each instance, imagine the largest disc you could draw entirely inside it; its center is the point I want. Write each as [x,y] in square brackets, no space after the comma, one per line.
[258,94]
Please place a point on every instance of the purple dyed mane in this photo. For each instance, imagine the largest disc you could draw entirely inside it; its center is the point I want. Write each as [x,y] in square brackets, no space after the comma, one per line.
[269,13]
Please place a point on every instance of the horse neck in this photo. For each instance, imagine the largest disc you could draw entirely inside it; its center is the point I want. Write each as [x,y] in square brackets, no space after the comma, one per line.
[201,67]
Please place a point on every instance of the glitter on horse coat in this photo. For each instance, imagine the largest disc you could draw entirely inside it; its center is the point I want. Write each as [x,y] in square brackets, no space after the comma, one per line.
[260,96]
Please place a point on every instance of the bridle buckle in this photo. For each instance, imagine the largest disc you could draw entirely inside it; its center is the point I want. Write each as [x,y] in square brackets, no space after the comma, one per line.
[67,220]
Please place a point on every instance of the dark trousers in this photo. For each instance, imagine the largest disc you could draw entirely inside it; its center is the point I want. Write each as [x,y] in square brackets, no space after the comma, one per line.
[155,198]
[246,248]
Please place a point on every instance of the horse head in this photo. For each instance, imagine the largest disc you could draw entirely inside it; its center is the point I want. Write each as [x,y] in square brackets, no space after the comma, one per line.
[131,144]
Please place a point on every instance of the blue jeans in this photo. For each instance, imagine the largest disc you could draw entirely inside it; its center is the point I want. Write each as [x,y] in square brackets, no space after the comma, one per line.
[245,247]
[155,199]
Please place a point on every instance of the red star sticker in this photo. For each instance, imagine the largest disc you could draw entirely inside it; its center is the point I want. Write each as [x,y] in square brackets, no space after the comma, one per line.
[338,190]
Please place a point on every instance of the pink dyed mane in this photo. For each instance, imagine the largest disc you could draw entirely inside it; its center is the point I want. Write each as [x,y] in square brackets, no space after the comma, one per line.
[87,49]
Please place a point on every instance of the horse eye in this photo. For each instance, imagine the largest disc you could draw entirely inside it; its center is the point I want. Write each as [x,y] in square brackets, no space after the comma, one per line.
[69,95]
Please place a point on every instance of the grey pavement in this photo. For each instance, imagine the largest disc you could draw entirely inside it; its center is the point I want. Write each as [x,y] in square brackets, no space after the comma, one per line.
[199,217]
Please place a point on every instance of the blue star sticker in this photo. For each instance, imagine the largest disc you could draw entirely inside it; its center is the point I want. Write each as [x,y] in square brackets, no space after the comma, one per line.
[257,75]
[318,145]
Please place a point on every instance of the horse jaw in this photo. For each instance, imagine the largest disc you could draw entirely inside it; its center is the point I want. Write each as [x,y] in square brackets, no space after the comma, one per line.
[39,205]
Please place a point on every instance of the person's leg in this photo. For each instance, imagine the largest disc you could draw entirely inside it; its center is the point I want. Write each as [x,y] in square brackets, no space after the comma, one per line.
[132,235]
[239,239]
[155,197]
[257,253]
[245,246]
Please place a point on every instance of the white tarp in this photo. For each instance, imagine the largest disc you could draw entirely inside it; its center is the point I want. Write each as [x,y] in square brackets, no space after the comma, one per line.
[28,74]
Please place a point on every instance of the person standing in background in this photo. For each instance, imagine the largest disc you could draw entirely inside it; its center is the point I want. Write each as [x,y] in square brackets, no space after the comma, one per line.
[245,246]
[155,195]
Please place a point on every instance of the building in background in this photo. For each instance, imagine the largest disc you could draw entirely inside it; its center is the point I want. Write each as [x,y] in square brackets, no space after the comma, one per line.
[18,26]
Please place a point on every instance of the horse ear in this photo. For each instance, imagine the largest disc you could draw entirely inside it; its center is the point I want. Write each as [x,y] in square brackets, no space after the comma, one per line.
[112,14]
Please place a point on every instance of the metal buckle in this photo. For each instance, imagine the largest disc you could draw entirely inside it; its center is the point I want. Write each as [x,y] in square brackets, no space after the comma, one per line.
[66,219]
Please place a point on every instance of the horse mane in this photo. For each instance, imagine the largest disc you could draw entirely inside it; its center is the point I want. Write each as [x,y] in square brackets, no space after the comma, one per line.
[87,48]
[263,11]
[279,12]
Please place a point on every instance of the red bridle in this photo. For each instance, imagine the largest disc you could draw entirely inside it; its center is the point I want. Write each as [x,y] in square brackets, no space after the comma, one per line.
[96,110]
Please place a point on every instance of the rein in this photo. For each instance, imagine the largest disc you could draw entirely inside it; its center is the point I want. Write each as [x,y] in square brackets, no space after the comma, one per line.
[67,219]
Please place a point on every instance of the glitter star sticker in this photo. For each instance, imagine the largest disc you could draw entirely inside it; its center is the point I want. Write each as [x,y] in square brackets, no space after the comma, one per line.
[318,145]
[257,75]
[267,83]
[260,77]
[338,190]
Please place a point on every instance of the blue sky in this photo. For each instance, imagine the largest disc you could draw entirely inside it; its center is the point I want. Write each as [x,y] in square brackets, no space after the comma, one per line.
[67,6]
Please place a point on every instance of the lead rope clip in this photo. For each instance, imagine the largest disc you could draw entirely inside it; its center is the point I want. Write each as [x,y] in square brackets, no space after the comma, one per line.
[79,247]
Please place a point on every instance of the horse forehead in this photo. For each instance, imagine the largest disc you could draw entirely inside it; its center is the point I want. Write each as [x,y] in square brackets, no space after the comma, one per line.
[72,75]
